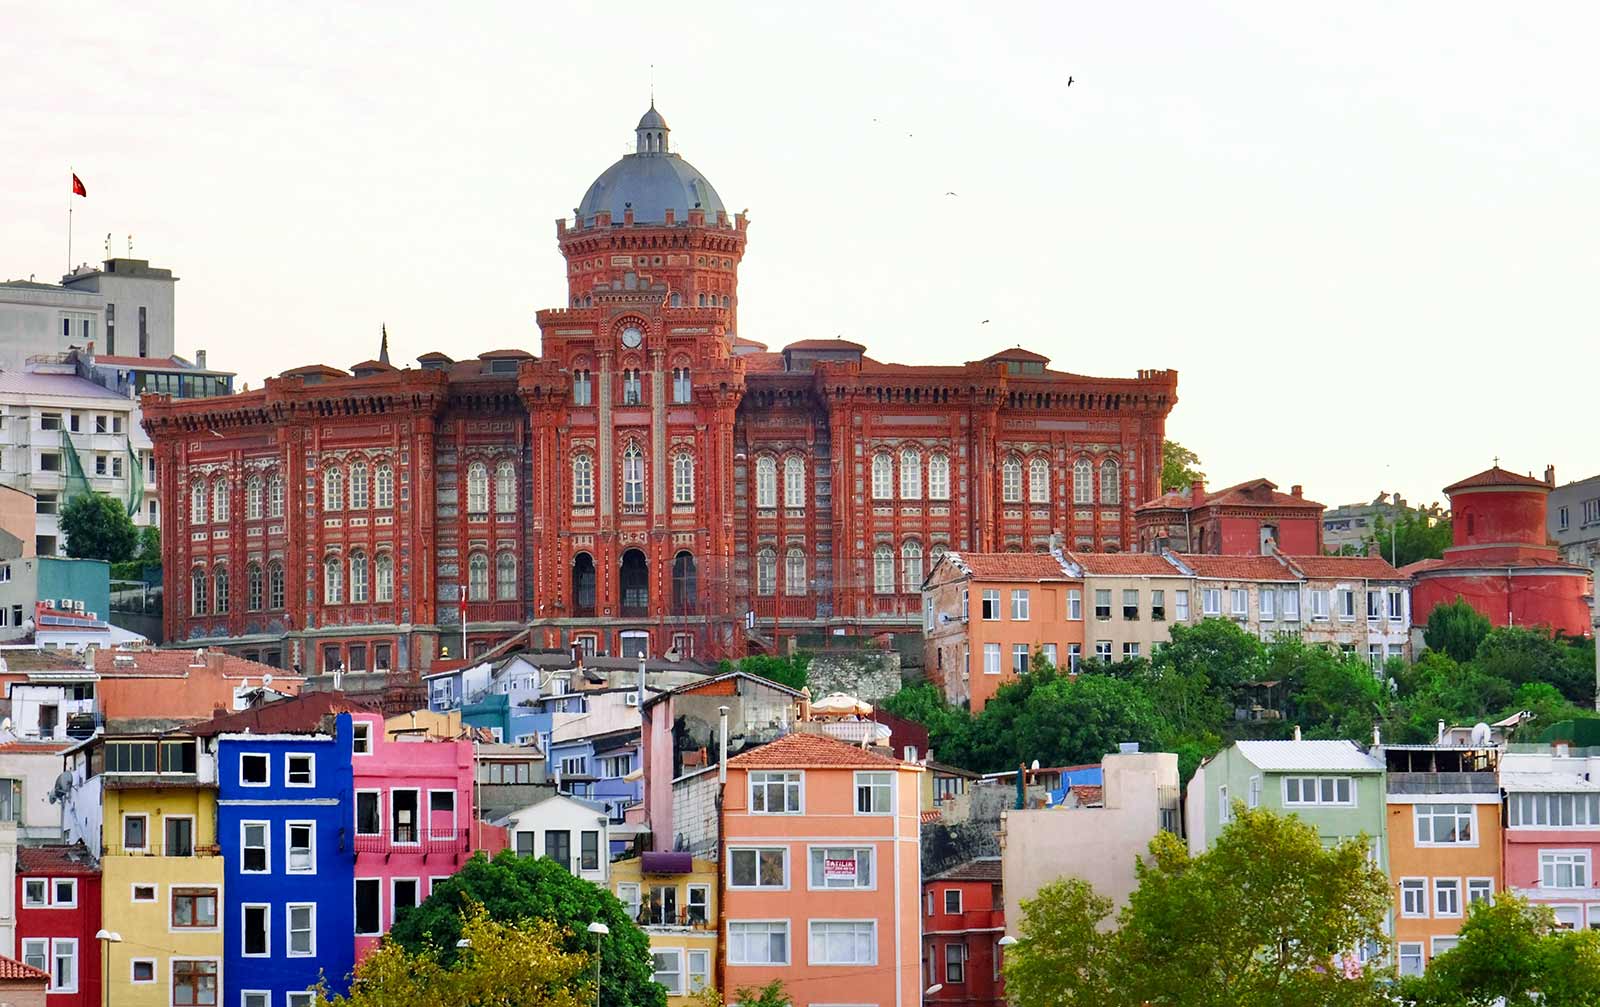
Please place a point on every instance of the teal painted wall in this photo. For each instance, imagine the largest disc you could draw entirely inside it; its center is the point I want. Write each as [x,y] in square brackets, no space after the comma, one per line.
[87,580]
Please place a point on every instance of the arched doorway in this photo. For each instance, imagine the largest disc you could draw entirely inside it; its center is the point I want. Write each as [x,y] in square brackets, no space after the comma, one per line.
[685,585]
[633,580]
[583,585]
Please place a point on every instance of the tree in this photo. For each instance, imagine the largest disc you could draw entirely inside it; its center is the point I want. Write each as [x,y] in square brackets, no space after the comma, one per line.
[97,527]
[512,889]
[772,994]
[790,671]
[1456,629]
[1412,536]
[1511,949]
[1063,956]
[1180,467]
[1337,694]
[511,965]
[1520,655]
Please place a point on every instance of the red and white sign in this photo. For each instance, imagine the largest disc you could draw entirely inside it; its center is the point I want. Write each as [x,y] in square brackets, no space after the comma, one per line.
[844,869]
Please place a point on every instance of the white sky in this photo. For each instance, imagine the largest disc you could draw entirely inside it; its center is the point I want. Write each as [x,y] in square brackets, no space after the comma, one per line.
[1363,233]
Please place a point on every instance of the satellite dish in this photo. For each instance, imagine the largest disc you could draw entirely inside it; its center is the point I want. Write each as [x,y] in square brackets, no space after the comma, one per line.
[63,786]
[1035,766]
[1480,733]
[266,680]
[5,725]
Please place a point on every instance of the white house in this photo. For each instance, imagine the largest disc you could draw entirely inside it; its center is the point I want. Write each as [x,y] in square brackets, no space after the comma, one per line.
[573,832]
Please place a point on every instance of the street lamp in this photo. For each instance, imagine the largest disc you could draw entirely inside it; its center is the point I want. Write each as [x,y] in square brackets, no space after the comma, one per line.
[599,930]
[106,939]
[931,990]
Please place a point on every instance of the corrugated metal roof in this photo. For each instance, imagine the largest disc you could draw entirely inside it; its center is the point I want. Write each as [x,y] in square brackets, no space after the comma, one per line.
[1309,755]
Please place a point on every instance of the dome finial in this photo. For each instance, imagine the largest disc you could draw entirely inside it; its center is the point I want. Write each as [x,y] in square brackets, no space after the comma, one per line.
[652,130]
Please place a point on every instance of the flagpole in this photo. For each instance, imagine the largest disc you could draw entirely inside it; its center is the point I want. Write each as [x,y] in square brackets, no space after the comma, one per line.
[70,194]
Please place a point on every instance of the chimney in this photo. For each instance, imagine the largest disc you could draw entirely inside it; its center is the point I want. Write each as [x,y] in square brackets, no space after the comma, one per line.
[577,656]
[1550,475]
[1377,737]
[1197,492]
[1297,491]
[1440,739]
[641,681]
[215,659]
[722,734]
[805,702]
[1297,732]
[200,359]
[1372,549]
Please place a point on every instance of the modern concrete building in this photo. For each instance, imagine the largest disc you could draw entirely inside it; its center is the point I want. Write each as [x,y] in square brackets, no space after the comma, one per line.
[1353,526]
[140,312]
[54,583]
[1552,828]
[45,319]
[1574,522]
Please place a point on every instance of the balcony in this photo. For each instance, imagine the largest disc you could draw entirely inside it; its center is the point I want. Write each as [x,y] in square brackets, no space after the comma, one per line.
[853,732]
[1443,783]
[683,919]
[412,841]
[159,850]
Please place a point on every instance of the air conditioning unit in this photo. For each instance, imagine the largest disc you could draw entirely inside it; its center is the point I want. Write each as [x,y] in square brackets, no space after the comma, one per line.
[48,602]
[632,700]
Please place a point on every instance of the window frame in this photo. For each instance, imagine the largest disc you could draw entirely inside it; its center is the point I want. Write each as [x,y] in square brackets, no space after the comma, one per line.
[1318,802]
[677,989]
[193,892]
[355,920]
[1571,856]
[872,785]
[1417,819]
[57,943]
[813,943]
[734,851]
[266,929]
[855,885]
[771,925]
[289,848]
[1441,885]
[765,779]
[289,928]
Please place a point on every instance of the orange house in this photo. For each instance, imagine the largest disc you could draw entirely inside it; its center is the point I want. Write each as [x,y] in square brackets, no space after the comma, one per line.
[142,688]
[985,615]
[822,879]
[1444,844]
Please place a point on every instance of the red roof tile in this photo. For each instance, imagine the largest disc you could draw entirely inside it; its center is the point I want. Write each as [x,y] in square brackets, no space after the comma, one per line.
[826,344]
[762,362]
[1367,567]
[116,361]
[1017,353]
[1496,476]
[1087,793]
[10,968]
[977,869]
[304,714]
[1251,493]
[1237,567]
[805,751]
[35,747]
[932,816]
[56,860]
[1124,564]
[146,663]
[1032,566]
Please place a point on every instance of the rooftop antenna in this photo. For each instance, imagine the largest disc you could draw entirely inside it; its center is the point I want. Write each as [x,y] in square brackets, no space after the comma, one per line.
[108,244]
[130,246]
[652,85]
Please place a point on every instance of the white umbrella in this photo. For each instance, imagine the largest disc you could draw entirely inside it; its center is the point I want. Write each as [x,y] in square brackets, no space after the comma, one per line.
[838,702]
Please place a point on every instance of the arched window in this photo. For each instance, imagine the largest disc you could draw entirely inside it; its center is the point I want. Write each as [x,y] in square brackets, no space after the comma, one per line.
[938,476]
[477,488]
[505,576]
[505,488]
[683,478]
[197,588]
[197,502]
[911,474]
[252,499]
[220,578]
[582,481]
[882,476]
[383,577]
[1038,480]
[1110,482]
[794,481]
[1083,481]
[685,585]
[358,577]
[794,571]
[766,482]
[332,581]
[360,495]
[275,497]
[935,554]
[478,577]
[911,567]
[275,585]
[766,571]
[883,569]
[1011,480]
[219,500]
[254,587]
[332,489]
[632,478]
[383,486]
[682,386]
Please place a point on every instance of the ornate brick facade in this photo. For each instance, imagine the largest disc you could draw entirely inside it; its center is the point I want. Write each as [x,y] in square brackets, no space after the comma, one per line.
[645,481]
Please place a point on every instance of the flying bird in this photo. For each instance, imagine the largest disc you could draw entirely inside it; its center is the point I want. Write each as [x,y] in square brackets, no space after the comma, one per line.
[952,194]
[1069,81]
[984,322]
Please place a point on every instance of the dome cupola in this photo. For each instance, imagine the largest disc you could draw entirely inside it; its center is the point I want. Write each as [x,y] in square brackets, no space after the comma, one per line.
[649,182]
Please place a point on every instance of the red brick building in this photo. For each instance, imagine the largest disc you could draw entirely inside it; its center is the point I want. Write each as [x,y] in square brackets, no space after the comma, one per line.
[644,482]
[1501,560]
[1238,521]
[964,920]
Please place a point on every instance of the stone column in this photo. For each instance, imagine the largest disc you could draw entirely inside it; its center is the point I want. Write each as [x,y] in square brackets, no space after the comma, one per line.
[603,447]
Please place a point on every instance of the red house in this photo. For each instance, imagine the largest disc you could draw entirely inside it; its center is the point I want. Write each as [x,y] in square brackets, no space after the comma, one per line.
[1502,562]
[58,914]
[963,922]
[1242,520]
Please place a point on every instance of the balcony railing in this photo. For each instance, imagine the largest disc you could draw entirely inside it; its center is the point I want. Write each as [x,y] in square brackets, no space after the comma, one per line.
[852,731]
[415,840]
[160,850]
[657,917]
[1443,783]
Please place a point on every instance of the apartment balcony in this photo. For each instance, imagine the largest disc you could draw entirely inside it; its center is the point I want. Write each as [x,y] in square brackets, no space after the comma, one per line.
[162,850]
[664,919]
[1443,783]
[854,732]
[435,844]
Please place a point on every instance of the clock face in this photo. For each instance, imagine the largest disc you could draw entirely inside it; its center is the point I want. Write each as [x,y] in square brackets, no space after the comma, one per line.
[632,337]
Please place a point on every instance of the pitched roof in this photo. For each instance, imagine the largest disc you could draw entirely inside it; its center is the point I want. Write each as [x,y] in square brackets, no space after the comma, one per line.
[806,751]
[1496,476]
[692,687]
[10,968]
[1367,567]
[56,859]
[303,714]
[19,747]
[1308,755]
[1010,565]
[1236,567]
[1124,564]
[148,663]
[1017,353]
[826,344]
[40,659]
[976,869]
[1250,493]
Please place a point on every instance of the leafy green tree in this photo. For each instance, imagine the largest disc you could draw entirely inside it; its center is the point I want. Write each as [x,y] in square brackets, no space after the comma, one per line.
[1062,721]
[772,994]
[1456,629]
[1268,916]
[1511,953]
[512,889]
[949,727]
[1218,649]
[511,965]
[1337,695]
[98,527]
[1412,536]
[1520,655]
[1180,467]
[1063,955]
[790,671]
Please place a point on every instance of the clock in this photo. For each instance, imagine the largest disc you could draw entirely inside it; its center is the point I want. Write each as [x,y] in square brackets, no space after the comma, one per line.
[632,337]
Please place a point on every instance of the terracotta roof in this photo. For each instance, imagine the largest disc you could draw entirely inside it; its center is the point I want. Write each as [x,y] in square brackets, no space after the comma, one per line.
[310,369]
[1010,565]
[303,714]
[742,341]
[1250,493]
[35,747]
[1468,562]
[805,751]
[977,869]
[146,663]
[1237,567]
[1496,476]
[1368,567]
[762,362]
[826,344]
[511,354]
[40,659]
[56,860]
[436,355]
[932,816]
[10,968]
[371,365]
[1124,564]
[1421,566]
[1017,353]
[112,360]
[1087,793]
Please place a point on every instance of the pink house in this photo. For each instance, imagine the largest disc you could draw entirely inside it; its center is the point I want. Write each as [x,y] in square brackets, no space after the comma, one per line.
[1552,831]
[823,881]
[415,822]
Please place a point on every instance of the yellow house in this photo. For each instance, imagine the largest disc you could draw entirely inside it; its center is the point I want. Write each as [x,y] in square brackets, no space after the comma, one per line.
[161,872]
[673,897]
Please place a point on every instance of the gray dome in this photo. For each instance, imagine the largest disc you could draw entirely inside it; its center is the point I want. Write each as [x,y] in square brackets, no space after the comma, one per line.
[650,182]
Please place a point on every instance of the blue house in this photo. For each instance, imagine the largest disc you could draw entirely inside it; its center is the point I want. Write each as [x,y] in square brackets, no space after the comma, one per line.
[284,814]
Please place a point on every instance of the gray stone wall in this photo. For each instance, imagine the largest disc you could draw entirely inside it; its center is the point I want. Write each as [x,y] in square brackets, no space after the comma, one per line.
[872,675]
[694,812]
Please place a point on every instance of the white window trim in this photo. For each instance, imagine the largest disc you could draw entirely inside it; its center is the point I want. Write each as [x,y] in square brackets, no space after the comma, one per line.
[355,906]
[856,793]
[143,816]
[244,908]
[244,996]
[1461,899]
[788,875]
[42,903]
[854,844]
[133,893]
[73,903]
[1420,954]
[682,975]
[308,756]
[77,965]
[1319,803]
[360,730]
[132,963]
[357,823]
[750,792]
[944,901]
[255,755]
[1481,883]
[288,846]
[288,934]
[1588,861]
[812,943]
[172,968]
[788,943]
[416,826]
[1416,829]
[1400,886]
[266,830]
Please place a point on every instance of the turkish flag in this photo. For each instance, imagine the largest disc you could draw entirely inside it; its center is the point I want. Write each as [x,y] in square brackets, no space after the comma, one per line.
[463,602]
[77,187]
